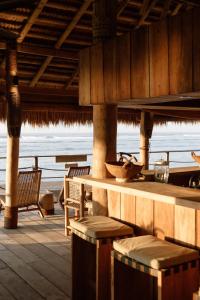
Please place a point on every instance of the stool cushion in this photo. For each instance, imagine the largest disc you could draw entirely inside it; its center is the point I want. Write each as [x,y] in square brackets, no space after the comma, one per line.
[153,252]
[100,227]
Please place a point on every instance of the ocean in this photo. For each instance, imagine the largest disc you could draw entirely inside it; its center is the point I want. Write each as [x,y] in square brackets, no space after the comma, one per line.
[60,140]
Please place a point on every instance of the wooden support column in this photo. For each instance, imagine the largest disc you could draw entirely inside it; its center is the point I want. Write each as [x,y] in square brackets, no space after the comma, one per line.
[146,127]
[14,128]
[104,116]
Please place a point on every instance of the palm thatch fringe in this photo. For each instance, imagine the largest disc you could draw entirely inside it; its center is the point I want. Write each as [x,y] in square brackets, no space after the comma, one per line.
[70,115]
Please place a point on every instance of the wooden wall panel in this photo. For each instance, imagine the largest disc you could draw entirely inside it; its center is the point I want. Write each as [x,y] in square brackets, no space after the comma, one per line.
[185,222]
[97,82]
[158,50]
[144,214]
[128,208]
[124,67]
[163,220]
[114,205]
[140,63]
[161,59]
[84,82]
[180,53]
[198,228]
[110,71]
[196,50]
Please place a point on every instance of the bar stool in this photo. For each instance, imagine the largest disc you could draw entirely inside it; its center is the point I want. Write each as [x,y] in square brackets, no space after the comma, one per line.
[92,239]
[146,267]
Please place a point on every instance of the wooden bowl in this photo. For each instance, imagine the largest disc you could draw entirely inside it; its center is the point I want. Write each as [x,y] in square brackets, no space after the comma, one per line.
[123,171]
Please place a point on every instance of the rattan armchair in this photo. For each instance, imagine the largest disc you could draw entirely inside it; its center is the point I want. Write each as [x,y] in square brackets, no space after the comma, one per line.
[28,188]
[72,194]
[72,172]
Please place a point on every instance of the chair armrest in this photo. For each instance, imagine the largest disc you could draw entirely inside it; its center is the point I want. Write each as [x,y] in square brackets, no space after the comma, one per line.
[69,179]
[71,200]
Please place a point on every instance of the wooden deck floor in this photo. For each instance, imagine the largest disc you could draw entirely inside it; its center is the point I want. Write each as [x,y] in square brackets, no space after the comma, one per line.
[35,260]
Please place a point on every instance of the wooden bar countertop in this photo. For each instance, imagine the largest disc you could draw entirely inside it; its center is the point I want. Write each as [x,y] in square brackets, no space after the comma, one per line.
[161,192]
[180,170]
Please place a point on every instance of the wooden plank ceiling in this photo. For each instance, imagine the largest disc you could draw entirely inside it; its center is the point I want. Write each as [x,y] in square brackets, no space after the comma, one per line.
[51,34]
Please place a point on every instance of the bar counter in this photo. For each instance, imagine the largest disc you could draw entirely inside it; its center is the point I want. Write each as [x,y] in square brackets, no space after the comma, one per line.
[165,210]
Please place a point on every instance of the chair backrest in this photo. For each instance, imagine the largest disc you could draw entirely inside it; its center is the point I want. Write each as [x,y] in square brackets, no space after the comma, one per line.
[28,187]
[74,188]
[78,171]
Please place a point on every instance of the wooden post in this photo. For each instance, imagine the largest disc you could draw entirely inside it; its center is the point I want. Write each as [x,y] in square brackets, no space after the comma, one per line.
[14,128]
[146,127]
[104,20]
[104,116]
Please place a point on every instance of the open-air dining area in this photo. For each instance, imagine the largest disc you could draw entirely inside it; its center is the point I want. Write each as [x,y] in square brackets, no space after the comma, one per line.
[118,223]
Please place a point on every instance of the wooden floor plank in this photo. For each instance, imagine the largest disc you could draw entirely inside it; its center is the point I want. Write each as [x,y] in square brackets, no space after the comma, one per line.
[42,252]
[31,277]
[4,293]
[17,287]
[35,259]
[57,278]
[2,265]
[17,248]
[41,237]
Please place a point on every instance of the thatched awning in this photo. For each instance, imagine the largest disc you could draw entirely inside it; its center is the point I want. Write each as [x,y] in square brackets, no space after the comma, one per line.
[48,54]
[39,115]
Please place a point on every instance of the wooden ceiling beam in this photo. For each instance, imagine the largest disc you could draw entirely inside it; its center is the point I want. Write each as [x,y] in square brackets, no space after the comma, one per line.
[73,23]
[13,4]
[165,9]
[7,35]
[61,40]
[42,91]
[191,115]
[43,51]
[144,7]
[29,24]
[122,5]
[191,2]
[31,20]
[74,75]
[60,24]
[165,108]
[50,75]
[82,41]
[37,62]
[48,84]
[48,99]
[12,16]
[61,6]
[176,10]
[146,12]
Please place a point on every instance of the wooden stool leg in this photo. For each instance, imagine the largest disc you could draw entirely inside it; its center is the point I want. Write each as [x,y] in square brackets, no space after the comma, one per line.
[103,270]
[112,277]
[191,279]
[179,282]
[165,285]
[66,220]
[76,215]
[83,270]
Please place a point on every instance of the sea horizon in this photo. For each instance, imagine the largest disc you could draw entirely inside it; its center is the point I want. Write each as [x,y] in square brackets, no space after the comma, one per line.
[61,140]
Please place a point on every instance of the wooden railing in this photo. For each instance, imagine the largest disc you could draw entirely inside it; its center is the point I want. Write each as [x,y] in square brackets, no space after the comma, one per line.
[37,161]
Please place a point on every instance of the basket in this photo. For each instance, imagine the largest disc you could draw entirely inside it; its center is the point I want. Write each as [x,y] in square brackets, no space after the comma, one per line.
[123,171]
[195,157]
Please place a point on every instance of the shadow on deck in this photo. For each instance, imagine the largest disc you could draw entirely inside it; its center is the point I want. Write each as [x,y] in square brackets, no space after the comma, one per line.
[35,259]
